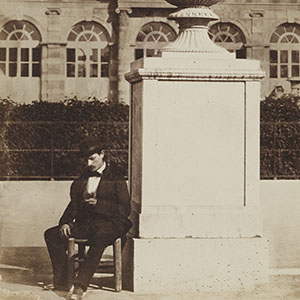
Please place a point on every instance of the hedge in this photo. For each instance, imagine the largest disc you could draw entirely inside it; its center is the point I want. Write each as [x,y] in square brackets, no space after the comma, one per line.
[40,140]
[280,138]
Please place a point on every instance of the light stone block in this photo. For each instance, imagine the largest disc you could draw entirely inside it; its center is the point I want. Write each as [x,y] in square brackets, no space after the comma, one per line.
[195,173]
[194,134]
[180,265]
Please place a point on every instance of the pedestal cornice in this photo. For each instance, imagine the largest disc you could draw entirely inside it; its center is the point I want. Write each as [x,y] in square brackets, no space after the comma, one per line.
[194,67]
[203,75]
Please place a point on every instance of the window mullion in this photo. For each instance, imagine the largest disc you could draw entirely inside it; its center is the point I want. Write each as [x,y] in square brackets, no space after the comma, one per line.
[30,50]
[289,63]
[278,64]
[7,62]
[87,67]
[76,62]
[99,62]
[18,62]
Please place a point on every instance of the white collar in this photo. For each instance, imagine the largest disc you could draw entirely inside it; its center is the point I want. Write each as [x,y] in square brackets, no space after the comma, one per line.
[101,169]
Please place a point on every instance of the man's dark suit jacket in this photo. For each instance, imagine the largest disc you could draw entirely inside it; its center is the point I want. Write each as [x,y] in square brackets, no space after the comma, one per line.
[113,203]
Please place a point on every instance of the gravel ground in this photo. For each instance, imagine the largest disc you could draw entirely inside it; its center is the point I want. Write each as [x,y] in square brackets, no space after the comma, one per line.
[281,287]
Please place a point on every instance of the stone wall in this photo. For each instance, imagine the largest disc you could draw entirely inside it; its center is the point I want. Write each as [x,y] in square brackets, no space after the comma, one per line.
[28,208]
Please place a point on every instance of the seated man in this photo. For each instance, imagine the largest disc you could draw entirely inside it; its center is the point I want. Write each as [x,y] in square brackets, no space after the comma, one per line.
[98,210]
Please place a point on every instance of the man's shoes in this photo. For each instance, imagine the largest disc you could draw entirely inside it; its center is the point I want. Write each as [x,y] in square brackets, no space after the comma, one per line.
[59,288]
[77,293]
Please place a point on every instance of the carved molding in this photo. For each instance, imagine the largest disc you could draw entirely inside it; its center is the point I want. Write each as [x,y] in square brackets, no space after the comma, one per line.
[195,40]
[193,12]
[89,11]
[19,15]
[256,13]
[193,17]
[128,10]
[204,75]
[53,12]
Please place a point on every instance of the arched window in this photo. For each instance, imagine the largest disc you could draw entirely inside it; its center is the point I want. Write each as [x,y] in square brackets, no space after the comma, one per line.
[20,54]
[230,37]
[152,37]
[284,51]
[88,51]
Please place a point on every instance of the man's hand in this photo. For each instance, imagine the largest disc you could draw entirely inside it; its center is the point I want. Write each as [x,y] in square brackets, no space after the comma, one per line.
[90,201]
[65,230]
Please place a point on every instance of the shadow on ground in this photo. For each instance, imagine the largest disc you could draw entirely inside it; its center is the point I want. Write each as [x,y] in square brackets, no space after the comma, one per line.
[31,266]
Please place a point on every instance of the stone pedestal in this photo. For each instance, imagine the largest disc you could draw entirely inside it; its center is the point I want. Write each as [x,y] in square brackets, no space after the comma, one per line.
[195,173]
[198,264]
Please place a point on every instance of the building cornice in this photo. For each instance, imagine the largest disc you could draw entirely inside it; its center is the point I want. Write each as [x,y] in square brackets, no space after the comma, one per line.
[144,4]
[163,4]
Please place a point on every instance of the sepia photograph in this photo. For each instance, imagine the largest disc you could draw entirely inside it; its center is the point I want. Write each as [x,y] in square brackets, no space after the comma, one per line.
[149,150]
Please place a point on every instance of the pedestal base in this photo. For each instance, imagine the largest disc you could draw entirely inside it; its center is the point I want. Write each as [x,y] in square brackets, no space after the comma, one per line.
[181,265]
[200,222]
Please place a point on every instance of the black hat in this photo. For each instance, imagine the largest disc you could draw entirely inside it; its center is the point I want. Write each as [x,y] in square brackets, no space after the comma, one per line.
[91,145]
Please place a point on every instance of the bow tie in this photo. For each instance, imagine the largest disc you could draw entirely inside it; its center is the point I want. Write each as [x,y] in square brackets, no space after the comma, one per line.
[94,174]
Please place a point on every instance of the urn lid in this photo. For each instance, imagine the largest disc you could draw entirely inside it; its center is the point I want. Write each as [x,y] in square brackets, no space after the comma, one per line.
[189,3]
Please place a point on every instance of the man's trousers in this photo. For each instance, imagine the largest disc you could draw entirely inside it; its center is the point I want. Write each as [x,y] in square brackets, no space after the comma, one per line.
[100,234]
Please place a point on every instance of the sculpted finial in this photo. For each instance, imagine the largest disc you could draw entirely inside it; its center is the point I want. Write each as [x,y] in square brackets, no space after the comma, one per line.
[193,17]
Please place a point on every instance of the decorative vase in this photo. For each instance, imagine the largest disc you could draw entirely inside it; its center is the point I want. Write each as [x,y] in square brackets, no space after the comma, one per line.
[190,3]
[193,17]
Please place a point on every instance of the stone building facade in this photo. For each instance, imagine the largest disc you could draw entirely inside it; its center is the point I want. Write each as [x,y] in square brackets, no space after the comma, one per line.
[52,50]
